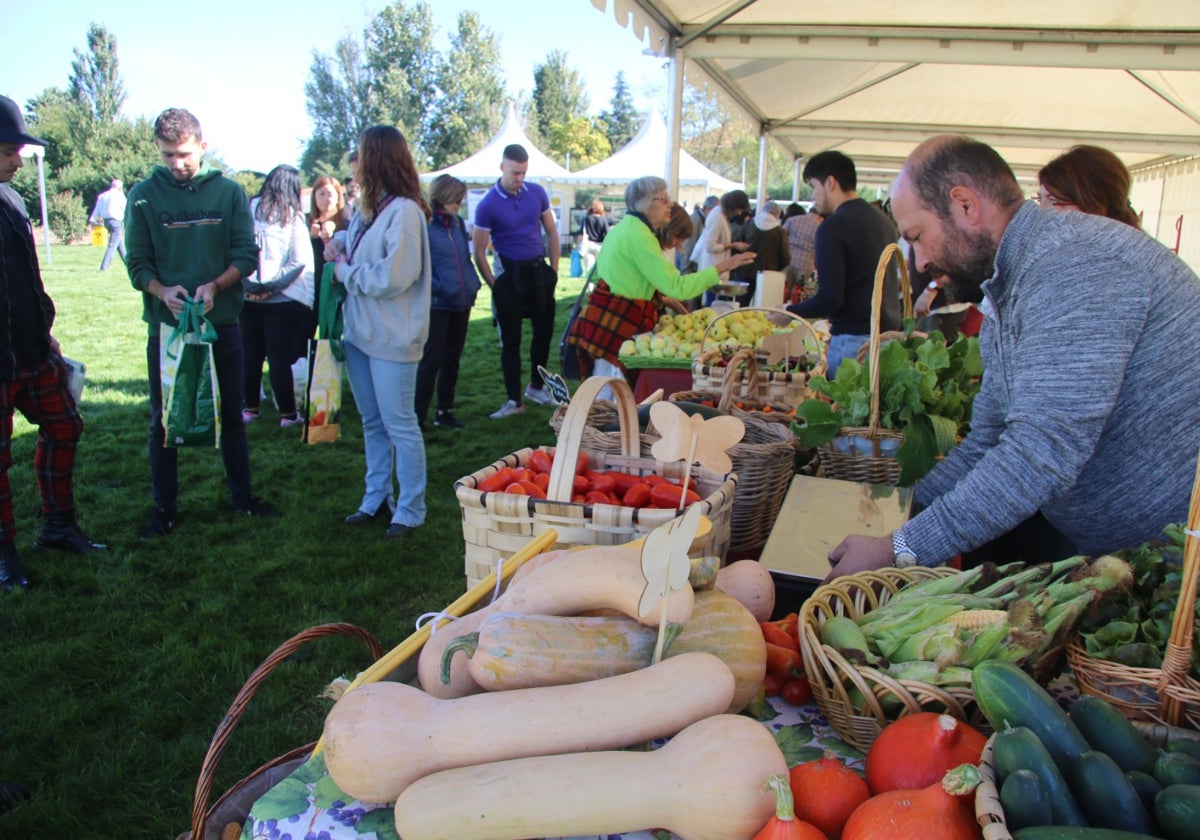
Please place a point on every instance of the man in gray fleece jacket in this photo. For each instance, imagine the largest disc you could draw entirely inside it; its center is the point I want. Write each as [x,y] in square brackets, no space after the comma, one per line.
[1090,406]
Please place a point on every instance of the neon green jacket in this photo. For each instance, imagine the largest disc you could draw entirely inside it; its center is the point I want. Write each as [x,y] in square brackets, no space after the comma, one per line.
[632,264]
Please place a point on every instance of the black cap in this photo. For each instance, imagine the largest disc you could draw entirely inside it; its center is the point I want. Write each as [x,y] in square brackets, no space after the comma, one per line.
[12,125]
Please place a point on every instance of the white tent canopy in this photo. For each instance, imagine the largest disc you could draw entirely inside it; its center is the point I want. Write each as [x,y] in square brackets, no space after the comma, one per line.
[874,78]
[483,167]
[646,154]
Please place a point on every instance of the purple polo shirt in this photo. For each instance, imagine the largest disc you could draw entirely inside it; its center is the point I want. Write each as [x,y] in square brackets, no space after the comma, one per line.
[514,221]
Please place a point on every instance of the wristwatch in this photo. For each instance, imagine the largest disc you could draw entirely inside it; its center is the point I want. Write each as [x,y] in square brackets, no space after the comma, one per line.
[904,556]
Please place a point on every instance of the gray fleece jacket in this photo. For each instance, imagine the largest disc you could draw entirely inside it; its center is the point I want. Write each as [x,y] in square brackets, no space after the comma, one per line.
[387,279]
[1090,405]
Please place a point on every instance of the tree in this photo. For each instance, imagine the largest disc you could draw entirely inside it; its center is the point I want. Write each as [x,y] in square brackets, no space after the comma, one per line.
[578,140]
[338,94]
[621,120]
[404,67]
[559,93]
[95,82]
[471,86]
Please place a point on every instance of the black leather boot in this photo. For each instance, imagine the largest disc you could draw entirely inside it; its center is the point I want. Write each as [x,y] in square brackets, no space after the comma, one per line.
[12,573]
[59,532]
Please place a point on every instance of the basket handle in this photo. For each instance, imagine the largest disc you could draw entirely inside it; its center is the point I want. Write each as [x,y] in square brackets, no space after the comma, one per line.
[885,259]
[1177,659]
[799,322]
[208,768]
[570,435]
[732,377]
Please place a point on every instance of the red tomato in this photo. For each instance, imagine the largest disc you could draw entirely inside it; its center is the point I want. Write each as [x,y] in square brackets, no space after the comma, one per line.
[542,480]
[579,499]
[796,691]
[497,481]
[772,685]
[540,462]
[580,484]
[595,497]
[581,462]
[531,489]
[653,479]
[623,481]
[603,482]
[523,474]
[516,488]
[667,496]
[637,496]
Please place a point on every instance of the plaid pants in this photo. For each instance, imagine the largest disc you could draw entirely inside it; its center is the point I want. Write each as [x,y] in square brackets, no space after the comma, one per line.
[41,395]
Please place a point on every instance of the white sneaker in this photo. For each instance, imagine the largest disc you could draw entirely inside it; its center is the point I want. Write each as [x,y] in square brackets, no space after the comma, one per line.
[539,395]
[507,410]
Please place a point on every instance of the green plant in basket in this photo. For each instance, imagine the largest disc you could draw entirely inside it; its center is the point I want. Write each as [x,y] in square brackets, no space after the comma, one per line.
[925,391]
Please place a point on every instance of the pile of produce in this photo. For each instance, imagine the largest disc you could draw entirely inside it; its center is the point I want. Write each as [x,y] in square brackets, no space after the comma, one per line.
[526,707]
[1059,773]
[679,336]
[935,631]
[1133,628]
[925,388]
[592,487]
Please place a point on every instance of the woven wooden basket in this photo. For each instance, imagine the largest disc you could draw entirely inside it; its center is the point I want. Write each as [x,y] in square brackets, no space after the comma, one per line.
[832,677]
[737,379]
[843,458]
[496,525]
[787,387]
[1168,694]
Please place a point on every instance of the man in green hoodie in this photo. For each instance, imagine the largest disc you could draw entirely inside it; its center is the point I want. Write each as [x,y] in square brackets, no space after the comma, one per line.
[188,234]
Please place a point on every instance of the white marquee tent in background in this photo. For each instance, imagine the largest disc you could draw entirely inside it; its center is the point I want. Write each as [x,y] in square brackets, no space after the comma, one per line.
[482,169]
[647,154]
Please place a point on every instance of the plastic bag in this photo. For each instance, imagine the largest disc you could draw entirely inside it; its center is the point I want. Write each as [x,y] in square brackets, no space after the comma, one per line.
[190,397]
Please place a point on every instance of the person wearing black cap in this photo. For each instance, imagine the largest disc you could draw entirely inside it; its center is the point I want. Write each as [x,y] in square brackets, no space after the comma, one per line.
[33,376]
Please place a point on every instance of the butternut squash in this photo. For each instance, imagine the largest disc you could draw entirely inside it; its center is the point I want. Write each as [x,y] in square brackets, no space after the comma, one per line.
[574,582]
[707,783]
[516,650]
[381,737]
[751,583]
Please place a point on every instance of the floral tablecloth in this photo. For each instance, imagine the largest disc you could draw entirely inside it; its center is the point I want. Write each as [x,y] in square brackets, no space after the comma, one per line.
[307,805]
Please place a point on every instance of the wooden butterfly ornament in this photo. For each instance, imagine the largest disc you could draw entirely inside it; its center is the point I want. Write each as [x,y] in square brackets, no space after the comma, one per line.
[666,565]
[694,440]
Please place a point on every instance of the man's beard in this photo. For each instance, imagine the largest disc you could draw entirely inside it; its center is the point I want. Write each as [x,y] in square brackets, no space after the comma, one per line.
[969,261]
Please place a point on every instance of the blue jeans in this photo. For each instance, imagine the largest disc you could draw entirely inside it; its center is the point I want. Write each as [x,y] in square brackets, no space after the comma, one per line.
[235,449]
[384,392]
[116,242]
[842,347]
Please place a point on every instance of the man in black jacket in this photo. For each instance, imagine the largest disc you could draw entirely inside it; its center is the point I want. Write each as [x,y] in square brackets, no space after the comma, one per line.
[33,376]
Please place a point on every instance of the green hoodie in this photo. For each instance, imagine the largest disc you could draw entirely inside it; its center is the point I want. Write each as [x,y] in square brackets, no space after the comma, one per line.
[186,234]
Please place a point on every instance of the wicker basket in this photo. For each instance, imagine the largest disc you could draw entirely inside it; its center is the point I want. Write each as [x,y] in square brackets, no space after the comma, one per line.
[764,462]
[1168,695]
[866,453]
[495,525]
[832,676]
[736,378]
[787,387]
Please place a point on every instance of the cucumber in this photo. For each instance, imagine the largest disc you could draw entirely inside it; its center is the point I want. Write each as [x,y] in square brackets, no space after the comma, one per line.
[1072,832]
[1177,810]
[1176,768]
[1025,801]
[1019,749]
[1147,787]
[1009,698]
[1110,732]
[1108,799]
[1186,746]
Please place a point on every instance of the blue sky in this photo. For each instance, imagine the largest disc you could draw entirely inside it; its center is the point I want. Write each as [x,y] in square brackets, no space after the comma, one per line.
[241,66]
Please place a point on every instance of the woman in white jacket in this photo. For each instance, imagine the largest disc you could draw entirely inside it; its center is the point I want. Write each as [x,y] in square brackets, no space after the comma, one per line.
[279,296]
[383,261]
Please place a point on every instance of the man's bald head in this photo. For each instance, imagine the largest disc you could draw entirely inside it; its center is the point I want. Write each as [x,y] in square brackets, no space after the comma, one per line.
[943,162]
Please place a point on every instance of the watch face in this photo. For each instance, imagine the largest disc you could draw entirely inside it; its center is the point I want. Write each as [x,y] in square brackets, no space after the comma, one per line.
[905,560]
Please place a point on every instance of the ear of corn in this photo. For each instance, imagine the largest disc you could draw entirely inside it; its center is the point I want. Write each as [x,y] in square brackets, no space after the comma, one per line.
[978,619]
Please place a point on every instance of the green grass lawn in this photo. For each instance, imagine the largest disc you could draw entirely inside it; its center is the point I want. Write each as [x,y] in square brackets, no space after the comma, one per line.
[117,668]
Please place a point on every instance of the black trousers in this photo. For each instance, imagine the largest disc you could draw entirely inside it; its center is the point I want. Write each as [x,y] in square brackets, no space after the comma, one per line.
[271,332]
[439,364]
[524,290]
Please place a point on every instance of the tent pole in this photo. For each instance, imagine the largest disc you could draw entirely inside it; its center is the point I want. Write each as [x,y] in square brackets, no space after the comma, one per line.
[795,179]
[762,165]
[674,117]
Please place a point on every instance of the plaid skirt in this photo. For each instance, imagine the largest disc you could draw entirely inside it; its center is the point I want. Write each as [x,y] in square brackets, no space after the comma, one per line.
[606,321]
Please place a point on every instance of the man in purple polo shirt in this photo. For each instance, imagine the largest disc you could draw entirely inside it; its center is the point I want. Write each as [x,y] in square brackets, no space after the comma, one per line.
[513,215]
